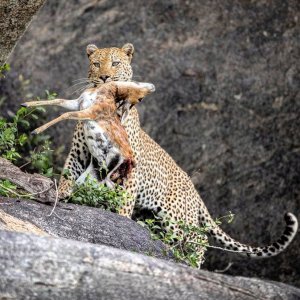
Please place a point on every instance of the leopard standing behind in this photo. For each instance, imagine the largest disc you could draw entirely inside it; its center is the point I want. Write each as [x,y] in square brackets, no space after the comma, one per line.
[157,182]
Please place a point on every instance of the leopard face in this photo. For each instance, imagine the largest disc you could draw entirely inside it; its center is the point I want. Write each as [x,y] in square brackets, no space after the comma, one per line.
[109,64]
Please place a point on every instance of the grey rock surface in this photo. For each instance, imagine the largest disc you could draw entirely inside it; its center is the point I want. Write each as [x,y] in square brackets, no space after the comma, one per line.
[15,17]
[33,183]
[85,224]
[41,268]
[226,105]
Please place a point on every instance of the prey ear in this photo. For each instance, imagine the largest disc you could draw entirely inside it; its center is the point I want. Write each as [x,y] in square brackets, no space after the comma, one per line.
[90,49]
[129,50]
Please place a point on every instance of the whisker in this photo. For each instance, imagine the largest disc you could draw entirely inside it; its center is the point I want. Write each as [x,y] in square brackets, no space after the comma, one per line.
[70,90]
[82,78]
[87,87]
[82,81]
[120,79]
[79,90]
[78,83]
[79,79]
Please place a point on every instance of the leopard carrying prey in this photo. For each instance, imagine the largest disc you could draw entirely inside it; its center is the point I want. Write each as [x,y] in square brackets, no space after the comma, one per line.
[105,136]
[156,182]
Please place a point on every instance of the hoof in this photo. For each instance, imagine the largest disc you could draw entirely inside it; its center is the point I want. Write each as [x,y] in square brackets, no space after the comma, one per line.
[24,104]
[34,132]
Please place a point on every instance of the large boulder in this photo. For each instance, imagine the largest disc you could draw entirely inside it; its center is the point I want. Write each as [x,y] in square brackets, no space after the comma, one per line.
[226,107]
[34,267]
[81,223]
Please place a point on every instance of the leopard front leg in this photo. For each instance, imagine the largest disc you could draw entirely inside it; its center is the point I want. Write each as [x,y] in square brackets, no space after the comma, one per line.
[75,164]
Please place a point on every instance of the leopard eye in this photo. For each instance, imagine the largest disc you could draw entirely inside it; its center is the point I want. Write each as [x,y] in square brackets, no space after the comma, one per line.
[96,64]
[115,63]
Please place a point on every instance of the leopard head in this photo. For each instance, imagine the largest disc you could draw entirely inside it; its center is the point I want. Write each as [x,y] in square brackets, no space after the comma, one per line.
[109,64]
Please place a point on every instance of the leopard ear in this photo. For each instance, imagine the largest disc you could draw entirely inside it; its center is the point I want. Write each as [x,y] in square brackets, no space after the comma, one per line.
[129,50]
[90,49]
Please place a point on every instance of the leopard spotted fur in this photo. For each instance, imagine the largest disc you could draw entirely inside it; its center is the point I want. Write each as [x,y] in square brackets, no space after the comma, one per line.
[157,182]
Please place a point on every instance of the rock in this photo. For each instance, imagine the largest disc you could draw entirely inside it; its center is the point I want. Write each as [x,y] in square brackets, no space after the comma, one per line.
[10,223]
[15,17]
[34,267]
[80,223]
[239,59]
[35,184]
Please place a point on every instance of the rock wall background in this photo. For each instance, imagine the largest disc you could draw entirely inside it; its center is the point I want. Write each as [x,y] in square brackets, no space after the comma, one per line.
[227,104]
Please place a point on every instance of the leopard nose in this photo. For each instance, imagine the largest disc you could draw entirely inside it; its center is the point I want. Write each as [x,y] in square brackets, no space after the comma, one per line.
[104,77]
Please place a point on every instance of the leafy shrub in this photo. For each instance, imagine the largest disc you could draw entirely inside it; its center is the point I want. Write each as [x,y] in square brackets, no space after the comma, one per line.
[185,246]
[16,143]
[31,153]
[92,193]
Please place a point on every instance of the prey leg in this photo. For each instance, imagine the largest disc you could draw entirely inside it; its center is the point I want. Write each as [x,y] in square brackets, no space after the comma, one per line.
[68,104]
[86,114]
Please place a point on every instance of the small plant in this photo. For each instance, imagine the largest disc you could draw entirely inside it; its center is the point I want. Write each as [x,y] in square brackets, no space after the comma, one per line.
[92,193]
[11,140]
[7,189]
[228,218]
[188,242]
[42,159]
[3,69]
[15,142]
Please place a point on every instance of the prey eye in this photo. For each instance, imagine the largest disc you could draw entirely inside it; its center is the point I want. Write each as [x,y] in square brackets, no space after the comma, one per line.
[115,63]
[96,64]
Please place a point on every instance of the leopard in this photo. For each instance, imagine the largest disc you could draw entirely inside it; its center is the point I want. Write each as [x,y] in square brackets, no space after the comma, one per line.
[156,182]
